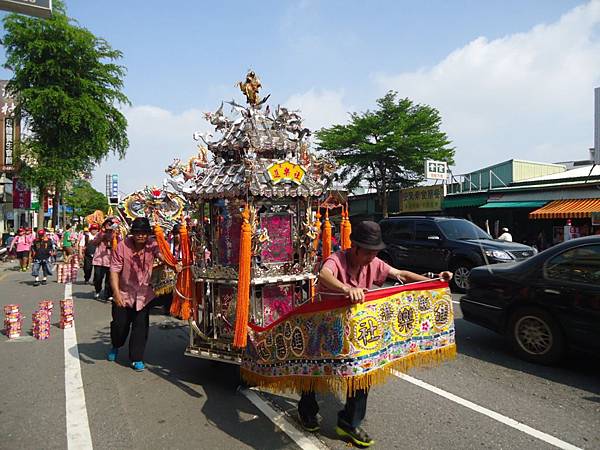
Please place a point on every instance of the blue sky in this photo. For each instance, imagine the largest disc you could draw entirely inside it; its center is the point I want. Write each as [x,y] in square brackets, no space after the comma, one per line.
[511,78]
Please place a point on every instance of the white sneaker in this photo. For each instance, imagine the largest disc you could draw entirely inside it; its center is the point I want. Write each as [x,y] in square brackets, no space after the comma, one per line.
[110,299]
[96,296]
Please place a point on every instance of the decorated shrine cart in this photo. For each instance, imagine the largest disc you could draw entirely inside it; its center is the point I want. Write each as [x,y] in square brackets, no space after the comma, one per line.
[250,266]
[255,204]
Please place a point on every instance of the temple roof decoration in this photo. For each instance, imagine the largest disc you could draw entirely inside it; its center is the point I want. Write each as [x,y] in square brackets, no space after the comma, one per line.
[258,152]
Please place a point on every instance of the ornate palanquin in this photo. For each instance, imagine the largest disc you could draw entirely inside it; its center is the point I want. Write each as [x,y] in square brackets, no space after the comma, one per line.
[260,173]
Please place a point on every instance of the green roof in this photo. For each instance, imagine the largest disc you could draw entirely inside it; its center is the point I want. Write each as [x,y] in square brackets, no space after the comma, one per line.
[530,204]
[464,201]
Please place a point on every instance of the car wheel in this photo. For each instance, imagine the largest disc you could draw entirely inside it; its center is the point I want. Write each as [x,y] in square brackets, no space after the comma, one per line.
[460,279]
[536,336]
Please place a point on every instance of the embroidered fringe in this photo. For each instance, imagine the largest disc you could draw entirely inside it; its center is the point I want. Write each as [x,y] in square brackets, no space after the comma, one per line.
[304,383]
[163,290]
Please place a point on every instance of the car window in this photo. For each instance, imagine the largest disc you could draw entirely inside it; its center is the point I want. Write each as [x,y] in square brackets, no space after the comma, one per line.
[462,229]
[579,265]
[426,229]
[400,230]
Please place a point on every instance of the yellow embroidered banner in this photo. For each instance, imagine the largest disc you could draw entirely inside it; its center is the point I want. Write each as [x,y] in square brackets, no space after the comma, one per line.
[286,171]
[336,346]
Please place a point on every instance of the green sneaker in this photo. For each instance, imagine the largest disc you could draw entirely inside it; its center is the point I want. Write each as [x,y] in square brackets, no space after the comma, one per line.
[357,436]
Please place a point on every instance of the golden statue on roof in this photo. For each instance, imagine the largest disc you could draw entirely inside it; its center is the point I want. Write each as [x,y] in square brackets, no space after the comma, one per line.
[250,88]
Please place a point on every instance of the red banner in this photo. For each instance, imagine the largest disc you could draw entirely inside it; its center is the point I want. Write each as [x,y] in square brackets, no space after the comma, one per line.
[21,195]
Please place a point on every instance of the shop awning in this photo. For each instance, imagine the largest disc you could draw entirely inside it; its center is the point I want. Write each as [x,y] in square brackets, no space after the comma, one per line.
[567,209]
[464,201]
[531,204]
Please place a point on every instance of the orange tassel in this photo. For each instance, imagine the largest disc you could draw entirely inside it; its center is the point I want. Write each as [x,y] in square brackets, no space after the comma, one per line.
[163,246]
[175,305]
[187,288]
[346,229]
[326,248]
[243,293]
[115,242]
[318,230]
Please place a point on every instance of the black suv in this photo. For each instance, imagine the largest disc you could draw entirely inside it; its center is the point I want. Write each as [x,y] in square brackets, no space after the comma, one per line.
[423,244]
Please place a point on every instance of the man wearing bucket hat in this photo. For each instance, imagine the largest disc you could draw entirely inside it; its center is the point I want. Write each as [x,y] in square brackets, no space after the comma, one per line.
[130,271]
[352,272]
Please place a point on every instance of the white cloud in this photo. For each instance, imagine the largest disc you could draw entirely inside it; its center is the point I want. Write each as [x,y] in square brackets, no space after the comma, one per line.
[156,136]
[527,95]
[320,108]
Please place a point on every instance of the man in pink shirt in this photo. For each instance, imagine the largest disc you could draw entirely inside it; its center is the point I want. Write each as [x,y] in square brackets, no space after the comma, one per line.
[101,259]
[353,272]
[130,270]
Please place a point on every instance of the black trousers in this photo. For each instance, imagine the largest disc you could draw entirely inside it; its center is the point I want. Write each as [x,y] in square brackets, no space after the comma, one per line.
[87,267]
[352,415]
[122,320]
[102,273]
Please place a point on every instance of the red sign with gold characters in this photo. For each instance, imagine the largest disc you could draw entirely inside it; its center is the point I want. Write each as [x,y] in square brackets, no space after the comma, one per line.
[21,195]
[286,171]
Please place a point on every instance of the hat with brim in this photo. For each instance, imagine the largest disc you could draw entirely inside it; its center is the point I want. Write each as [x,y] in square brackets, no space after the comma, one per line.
[141,225]
[367,235]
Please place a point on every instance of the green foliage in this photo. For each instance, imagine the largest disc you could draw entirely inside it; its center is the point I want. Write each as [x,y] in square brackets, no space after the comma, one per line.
[387,147]
[67,89]
[85,199]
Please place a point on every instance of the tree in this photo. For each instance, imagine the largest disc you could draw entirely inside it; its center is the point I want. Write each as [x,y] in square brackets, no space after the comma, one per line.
[84,199]
[387,147]
[67,88]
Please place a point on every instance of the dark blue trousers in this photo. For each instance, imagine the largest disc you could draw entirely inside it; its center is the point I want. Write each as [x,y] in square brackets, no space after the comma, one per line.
[352,415]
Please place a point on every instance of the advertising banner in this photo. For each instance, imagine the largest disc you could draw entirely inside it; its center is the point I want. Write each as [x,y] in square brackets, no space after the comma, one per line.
[422,199]
[21,195]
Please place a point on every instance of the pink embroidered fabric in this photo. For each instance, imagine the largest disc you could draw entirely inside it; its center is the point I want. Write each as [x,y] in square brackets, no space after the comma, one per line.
[134,270]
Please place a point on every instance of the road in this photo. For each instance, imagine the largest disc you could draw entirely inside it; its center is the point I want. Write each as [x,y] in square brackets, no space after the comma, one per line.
[485,398]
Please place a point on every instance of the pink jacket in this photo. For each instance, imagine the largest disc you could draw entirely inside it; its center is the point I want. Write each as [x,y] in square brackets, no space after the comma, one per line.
[22,242]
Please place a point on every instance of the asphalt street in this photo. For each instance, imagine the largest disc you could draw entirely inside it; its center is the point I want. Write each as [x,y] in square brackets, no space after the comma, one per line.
[183,402]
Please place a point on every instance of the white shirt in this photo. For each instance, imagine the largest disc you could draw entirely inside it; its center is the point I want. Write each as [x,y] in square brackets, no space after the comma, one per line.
[506,236]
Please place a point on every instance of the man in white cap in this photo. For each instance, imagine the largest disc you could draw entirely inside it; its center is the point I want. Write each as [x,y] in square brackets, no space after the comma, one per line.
[505,236]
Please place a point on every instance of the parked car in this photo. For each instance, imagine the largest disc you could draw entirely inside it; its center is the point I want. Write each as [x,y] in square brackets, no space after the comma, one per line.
[543,305]
[423,244]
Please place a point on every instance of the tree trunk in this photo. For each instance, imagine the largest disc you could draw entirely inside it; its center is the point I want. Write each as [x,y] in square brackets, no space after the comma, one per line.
[55,206]
[384,204]
[40,211]
[64,208]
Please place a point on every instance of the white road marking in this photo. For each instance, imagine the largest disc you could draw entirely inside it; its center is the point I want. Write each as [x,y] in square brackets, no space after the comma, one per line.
[78,427]
[489,413]
[304,441]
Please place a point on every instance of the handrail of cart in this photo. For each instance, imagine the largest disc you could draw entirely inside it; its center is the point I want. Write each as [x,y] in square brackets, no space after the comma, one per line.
[342,294]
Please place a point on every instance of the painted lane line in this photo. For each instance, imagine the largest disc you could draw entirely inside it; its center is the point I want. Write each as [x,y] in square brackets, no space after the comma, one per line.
[489,413]
[304,441]
[78,427]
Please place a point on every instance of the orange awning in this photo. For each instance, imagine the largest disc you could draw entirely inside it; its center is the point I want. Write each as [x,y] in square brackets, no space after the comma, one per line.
[567,209]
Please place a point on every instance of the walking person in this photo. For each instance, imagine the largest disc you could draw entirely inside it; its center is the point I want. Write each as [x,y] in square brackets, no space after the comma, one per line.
[87,248]
[130,271]
[101,260]
[41,250]
[22,246]
[352,272]
[505,236]
[67,241]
